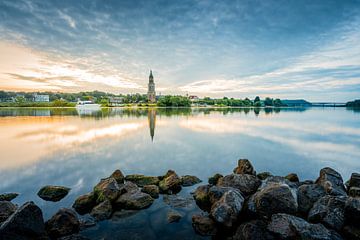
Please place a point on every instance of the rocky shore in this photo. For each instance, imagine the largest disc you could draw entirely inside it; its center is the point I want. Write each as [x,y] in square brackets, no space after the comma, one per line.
[241,205]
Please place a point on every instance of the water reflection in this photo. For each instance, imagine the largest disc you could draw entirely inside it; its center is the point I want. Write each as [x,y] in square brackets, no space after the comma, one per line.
[152,122]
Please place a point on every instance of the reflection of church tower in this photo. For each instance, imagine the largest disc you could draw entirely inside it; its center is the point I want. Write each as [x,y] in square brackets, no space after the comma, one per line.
[151,89]
[152,122]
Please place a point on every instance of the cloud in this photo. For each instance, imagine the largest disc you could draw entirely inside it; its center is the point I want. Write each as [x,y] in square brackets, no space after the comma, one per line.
[68,19]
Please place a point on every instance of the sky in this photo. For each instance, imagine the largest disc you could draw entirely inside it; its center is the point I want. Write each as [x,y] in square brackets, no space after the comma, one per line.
[286,49]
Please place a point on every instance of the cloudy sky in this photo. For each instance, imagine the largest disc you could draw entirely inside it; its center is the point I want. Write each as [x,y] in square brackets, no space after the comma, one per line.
[281,48]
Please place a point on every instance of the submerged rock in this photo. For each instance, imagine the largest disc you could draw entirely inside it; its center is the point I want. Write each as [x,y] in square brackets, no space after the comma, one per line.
[247,184]
[253,230]
[134,200]
[201,196]
[25,223]
[102,211]
[308,194]
[292,177]
[63,223]
[8,196]
[6,209]
[53,193]
[142,180]
[173,216]
[176,201]
[332,181]
[171,183]
[118,176]
[107,188]
[74,237]
[214,179]
[203,225]
[244,167]
[84,203]
[189,180]
[152,190]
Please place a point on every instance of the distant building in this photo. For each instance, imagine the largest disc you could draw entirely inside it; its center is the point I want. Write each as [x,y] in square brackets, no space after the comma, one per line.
[41,98]
[193,98]
[151,89]
[116,101]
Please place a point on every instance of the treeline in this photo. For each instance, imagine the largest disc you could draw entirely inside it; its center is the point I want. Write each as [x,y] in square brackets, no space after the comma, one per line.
[355,103]
[233,102]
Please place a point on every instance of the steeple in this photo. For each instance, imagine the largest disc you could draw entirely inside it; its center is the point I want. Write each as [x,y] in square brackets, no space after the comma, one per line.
[151,77]
[151,89]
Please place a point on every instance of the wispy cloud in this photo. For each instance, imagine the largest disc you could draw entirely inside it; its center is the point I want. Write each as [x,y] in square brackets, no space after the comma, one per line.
[68,19]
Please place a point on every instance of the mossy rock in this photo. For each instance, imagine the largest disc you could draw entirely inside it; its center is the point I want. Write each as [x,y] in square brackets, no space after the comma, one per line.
[8,196]
[53,193]
[142,180]
[85,203]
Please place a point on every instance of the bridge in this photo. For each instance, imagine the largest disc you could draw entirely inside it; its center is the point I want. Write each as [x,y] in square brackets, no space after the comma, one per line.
[328,104]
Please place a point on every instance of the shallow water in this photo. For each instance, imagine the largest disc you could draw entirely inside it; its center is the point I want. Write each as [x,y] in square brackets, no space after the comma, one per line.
[63,147]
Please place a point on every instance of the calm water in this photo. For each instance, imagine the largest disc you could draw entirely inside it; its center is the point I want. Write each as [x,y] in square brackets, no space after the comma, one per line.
[63,147]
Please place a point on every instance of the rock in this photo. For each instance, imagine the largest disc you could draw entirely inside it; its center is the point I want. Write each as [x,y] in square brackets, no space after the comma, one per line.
[352,211]
[354,192]
[286,226]
[253,230]
[216,192]
[118,176]
[142,180]
[84,203]
[292,177]
[247,184]
[351,232]
[214,179]
[279,180]
[264,175]
[102,211]
[354,180]
[328,210]
[128,187]
[8,196]
[74,237]
[176,201]
[201,197]
[25,223]
[188,180]
[86,222]
[107,188]
[63,223]
[152,190]
[244,167]
[173,216]
[203,225]
[308,195]
[226,210]
[6,209]
[134,200]
[53,193]
[171,183]
[332,181]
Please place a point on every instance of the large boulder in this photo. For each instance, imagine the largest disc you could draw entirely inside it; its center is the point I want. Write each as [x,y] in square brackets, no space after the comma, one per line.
[285,226]
[152,190]
[292,177]
[253,230]
[216,192]
[102,211]
[189,180]
[8,196]
[53,193]
[118,176]
[63,223]
[244,167]
[214,179]
[352,211]
[307,195]
[354,180]
[201,196]
[107,188]
[142,180]
[6,209]
[226,210]
[247,184]
[354,192]
[204,225]
[84,203]
[171,183]
[328,210]
[25,223]
[332,181]
[134,200]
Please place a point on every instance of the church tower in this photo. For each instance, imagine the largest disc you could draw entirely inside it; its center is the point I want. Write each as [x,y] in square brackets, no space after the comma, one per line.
[151,89]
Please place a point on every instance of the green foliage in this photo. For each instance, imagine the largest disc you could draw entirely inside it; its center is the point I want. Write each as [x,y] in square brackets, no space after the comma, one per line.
[104,102]
[61,103]
[269,102]
[174,101]
[355,103]
[257,99]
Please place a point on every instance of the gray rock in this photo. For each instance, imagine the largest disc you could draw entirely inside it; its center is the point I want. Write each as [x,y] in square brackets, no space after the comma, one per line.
[25,223]
[244,167]
[107,188]
[134,200]
[216,192]
[253,230]
[6,209]
[354,180]
[152,190]
[264,175]
[173,216]
[354,192]
[142,180]
[118,176]
[201,196]
[332,182]
[189,180]
[102,211]
[84,203]
[214,179]
[226,210]
[8,196]
[63,223]
[53,193]
[128,187]
[352,211]
[247,184]
[171,183]
[292,177]
[203,225]
[328,210]
[279,180]
[307,195]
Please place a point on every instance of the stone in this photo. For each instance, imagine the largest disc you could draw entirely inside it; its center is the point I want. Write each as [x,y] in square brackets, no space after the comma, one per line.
[8,196]
[152,190]
[351,232]
[201,196]
[74,237]
[6,209]
[84,203]
[328,210]
[332,182]
[226,210]
[53,193]
[214,179]
[216,192]
[252,230]
[263,175]
[307,195]
[189,180]
[354,180]
[247,184]
[352,211]
[128,187]
[25,223]
[176,201]
[173,216]
[142,180]
[102,211]
[63,223]
[134,200]
[118,176]
[171,183]
[203,225]
[244,167]
[280,181]
[285,226]
[107,188]
[292,177]
[354,192]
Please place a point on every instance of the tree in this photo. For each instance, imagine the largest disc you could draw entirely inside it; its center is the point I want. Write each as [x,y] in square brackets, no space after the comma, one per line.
[269,102]
[257,99]
[277,102]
